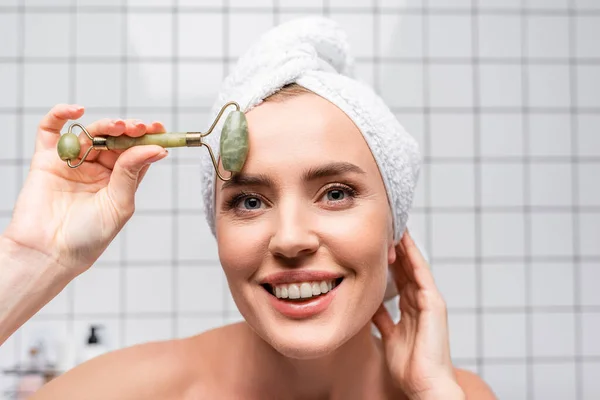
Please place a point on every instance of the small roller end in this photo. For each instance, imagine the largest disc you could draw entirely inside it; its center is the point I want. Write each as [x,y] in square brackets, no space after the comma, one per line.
[68,147]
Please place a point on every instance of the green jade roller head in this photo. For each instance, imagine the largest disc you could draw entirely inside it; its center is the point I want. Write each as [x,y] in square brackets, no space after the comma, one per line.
[233,145]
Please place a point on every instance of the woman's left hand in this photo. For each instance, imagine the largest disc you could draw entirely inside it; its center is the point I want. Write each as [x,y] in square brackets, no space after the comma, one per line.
[417,348]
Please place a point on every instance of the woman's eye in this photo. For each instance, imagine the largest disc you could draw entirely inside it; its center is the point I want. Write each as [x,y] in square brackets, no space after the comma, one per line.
[336,195]
[252,203]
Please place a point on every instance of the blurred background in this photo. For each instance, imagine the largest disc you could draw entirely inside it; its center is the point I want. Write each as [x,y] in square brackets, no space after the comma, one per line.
[502,95]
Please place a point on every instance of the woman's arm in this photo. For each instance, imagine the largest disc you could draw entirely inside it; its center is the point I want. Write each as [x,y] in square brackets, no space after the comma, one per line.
[64,218]
[28,280]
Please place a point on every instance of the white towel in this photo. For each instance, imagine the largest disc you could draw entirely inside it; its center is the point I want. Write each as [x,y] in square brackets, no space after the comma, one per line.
[314,53]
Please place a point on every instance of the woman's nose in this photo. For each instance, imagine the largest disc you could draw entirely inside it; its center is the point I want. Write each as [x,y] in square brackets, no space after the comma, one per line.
[293,236]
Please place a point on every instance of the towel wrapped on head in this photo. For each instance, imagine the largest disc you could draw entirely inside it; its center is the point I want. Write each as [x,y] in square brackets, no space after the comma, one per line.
[313,52]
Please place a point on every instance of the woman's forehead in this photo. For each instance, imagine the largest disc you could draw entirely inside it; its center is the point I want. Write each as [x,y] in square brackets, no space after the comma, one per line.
[302,131]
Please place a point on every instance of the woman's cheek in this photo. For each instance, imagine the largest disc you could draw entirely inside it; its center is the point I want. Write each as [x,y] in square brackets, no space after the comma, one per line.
[241,245]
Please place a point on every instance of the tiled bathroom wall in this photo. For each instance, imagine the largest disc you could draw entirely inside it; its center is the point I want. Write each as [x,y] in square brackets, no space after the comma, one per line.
[502,95]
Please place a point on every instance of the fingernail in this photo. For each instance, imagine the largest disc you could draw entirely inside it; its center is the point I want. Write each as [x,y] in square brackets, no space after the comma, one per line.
[75,107]
[157,157]
[118,121]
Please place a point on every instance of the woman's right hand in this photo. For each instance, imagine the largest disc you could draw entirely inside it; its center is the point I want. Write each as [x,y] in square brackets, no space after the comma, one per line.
[72,215]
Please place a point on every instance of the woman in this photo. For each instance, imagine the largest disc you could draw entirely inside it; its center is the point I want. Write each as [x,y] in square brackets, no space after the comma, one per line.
[305,246]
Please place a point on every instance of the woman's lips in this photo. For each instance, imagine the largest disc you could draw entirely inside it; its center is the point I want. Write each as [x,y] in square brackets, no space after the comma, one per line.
[302,308]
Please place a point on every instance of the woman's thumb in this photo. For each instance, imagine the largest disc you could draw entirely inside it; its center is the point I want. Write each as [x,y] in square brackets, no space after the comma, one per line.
[126,174]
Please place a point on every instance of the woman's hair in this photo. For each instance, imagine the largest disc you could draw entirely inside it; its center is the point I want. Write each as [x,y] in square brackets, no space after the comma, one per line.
[286,92]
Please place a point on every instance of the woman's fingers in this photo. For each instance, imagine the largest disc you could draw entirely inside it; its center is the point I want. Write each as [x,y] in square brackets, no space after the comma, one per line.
[383,321]
[155,127]
[416,263]
[52,123]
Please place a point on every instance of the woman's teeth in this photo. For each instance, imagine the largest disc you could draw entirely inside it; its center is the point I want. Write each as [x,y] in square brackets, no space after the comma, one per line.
[303,290]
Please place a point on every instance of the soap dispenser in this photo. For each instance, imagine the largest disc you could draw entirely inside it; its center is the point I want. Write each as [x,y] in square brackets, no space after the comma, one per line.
[94,345]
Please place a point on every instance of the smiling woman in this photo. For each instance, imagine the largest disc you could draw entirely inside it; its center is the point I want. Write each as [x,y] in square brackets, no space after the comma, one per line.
[321,220]
[306,233]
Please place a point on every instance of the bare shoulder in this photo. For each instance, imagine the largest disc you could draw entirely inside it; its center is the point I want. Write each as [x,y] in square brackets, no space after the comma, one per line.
[473,386]
[158,370]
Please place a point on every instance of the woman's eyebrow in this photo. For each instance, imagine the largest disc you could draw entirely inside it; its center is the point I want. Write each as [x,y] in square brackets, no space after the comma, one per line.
[240,179]
[322,171]
[331,169]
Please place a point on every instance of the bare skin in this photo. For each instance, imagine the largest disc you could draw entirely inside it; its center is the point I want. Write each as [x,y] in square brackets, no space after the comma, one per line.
[412,361]
[174,370]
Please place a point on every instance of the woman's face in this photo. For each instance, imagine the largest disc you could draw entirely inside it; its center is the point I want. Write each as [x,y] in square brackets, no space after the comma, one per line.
[304,231]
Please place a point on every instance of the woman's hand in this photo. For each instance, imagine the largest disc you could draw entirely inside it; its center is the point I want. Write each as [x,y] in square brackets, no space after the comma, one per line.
[417,349]
[71,215]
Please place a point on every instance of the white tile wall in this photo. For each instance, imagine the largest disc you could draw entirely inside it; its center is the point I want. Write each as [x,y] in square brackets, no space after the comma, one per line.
[499,36]
[554,333]
[500,279]
[589,276]
[457,283]
[550,135]
[450,36]
[463,344]
[588,83]
[508,381]
[548,36]
[587,27]
[90,44]
[452,185]
[194,26]
[501,85]
[9,148]
[8,28]
[98,85]
[8,82]
[549,86]
[451,85]
[504,336]
[501,185]
[591,383]
[554,381]
[401,84]
[453,235]
[451,135]
[504,235]
[485,130]
[400,35]
[501,135]
[552,284]
[590,326]
[55,40]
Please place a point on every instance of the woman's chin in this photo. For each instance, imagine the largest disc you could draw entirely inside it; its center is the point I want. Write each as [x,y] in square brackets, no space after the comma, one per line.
[305,343]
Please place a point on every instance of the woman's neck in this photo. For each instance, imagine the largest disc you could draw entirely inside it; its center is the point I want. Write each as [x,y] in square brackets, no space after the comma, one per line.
[355,370]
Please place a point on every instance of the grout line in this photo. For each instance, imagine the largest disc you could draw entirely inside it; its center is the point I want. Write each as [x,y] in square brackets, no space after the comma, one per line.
[376,60]
[175,174]
[123,234]
[466,61]
[20,102]
[428,220]
[72,68]
[226,23]
[577,300]
[399,110]
[529,373]
[477,185]
[443,11]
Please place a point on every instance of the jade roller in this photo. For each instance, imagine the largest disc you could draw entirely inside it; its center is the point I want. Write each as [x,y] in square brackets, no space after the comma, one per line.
[233,145]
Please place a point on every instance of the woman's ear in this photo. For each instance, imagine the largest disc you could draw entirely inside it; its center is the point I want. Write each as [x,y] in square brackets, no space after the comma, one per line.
[391,253]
